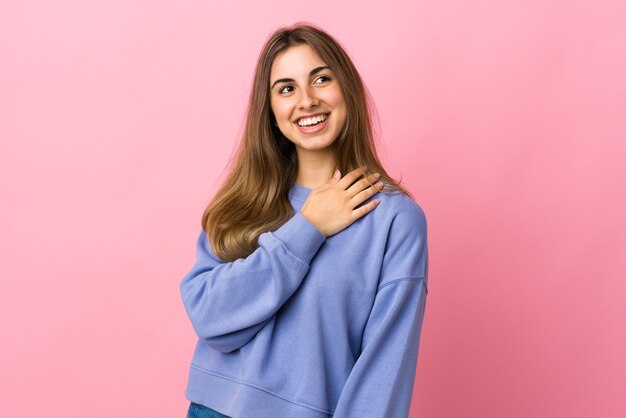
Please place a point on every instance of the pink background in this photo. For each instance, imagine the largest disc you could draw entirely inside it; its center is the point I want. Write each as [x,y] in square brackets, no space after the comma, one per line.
[506,119]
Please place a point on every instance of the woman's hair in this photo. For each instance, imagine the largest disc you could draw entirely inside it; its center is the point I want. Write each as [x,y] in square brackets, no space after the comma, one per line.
[254,196]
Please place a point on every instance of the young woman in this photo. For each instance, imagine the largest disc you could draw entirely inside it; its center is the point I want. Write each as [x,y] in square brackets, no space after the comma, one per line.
[309,287]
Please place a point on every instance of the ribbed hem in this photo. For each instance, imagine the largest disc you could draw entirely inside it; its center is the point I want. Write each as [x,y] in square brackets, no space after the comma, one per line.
[300,236]
[241,400]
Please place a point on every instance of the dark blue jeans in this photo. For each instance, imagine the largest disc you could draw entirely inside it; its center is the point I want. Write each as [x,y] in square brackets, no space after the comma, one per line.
[200,411]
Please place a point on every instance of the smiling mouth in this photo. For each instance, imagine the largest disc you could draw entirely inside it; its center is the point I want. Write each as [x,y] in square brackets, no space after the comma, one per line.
[309,122]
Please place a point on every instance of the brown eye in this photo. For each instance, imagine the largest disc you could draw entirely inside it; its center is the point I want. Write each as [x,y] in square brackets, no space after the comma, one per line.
[324,76]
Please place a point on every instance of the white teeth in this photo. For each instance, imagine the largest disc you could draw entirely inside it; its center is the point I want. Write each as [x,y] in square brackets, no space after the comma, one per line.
[312,121]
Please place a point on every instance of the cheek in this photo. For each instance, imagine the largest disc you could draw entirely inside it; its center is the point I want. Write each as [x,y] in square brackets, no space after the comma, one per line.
[338,100]
[280,113]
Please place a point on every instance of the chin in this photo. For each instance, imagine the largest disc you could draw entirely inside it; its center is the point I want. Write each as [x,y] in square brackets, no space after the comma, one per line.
[315,144]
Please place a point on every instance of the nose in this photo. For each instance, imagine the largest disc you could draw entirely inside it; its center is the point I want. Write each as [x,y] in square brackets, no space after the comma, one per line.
[307,98]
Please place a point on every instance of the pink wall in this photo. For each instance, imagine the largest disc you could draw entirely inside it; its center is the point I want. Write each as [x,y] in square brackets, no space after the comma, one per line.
[506,119]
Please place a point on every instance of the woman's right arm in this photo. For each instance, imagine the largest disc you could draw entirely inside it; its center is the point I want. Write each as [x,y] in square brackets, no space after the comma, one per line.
[229,302]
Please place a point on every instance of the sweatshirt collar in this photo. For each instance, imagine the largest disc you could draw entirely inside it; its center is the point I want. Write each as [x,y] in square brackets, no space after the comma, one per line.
[299,192]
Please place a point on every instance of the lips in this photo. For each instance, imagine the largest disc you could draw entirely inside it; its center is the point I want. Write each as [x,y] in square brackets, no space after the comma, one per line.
[313,129]
[310,116]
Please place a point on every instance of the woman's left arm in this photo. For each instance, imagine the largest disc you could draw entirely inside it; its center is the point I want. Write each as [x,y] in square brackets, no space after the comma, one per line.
[381,382]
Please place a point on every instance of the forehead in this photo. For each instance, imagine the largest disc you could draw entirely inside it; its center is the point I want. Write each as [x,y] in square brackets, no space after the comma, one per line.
[296,60]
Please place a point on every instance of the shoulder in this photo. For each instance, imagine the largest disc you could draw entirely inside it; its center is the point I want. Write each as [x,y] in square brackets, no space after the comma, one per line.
[402,212]
[405,251]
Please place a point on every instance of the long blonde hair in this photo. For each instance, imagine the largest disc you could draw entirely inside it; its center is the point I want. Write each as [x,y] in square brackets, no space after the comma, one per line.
[254,196]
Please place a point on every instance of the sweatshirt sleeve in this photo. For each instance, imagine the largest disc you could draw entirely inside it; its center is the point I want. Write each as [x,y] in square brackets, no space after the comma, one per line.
[381,382]
[229,302]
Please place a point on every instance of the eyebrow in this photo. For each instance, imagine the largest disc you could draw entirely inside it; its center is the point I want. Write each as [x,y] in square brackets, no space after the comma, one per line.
[311,74]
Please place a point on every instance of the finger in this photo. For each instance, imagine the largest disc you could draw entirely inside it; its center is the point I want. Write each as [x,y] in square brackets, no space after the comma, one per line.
[362,184]
[349,178]
[364,195]
[363,210]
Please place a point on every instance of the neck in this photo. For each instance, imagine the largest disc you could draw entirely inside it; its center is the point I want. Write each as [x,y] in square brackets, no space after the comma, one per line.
[315,168]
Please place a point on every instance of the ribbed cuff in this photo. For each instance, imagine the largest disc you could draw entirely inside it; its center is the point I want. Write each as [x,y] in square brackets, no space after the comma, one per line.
[300,236]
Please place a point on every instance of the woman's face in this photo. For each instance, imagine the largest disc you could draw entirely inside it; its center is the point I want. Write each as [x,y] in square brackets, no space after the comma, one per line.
[306,98]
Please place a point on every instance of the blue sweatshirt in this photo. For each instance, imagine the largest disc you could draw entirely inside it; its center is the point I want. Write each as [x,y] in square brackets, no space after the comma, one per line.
[309,326]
